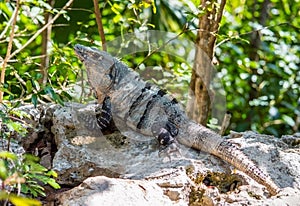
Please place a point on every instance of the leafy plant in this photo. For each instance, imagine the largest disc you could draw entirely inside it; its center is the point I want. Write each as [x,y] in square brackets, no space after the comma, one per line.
[259,67]
[262,92]
[20,173]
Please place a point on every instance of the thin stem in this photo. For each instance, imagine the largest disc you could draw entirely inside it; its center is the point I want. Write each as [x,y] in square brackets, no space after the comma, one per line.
[100,25]
[185,29]
[8,23]
[9,47]
[68,4]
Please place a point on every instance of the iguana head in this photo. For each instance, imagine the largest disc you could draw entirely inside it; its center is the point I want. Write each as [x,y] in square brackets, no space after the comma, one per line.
[99,65]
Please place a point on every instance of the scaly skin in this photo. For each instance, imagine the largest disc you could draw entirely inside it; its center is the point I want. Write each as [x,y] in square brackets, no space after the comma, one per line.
[146,109]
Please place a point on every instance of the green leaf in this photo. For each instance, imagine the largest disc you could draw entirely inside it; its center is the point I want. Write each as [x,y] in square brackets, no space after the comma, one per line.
[288,120]
[6,90]
[31,187]
[37,168]
[28,86]
[3,170]
[34,100]
[51,173]
[22,201]
[31,158]
[16,127]
[53,183]
[54,96]
[8,155]
[3,195]
[37,85]
[19,113]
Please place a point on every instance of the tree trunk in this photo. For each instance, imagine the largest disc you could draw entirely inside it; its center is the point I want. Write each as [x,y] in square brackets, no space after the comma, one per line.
[255,43]
[198,108]
[46,38]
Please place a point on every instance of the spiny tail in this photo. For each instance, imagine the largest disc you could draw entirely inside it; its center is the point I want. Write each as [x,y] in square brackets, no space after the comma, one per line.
[206,140]
[231,153]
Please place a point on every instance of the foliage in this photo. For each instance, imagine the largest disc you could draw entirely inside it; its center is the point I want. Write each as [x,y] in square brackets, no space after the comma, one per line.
[20,173]
[23,75]
[262,94]
[17,200]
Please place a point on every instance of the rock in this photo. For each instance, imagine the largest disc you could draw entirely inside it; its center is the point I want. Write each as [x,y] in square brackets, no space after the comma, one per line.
[193,178]
[69,138]
[97,191]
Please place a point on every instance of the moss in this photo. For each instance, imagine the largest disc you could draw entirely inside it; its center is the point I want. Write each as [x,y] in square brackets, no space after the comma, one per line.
[117,139]
[224,182]
[196,196]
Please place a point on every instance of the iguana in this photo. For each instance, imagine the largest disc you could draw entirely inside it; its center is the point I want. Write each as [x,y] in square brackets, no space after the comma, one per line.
[146,109]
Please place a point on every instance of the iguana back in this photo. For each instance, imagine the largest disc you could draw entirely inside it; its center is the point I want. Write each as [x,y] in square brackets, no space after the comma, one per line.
[147,109]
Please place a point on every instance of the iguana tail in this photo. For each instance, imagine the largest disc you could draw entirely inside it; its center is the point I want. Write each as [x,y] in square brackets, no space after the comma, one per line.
[206,140]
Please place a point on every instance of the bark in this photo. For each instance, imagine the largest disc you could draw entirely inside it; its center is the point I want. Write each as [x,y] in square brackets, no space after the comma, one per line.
[198,108]
[99,23]
[255,42]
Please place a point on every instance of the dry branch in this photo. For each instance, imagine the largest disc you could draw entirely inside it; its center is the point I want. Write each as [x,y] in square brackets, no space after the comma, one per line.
[9,46]
[100,25]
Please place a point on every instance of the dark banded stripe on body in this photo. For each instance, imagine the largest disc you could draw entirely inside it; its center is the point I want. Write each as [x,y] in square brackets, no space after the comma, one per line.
[104,116]
[138,100]
[174,115]
[149,106]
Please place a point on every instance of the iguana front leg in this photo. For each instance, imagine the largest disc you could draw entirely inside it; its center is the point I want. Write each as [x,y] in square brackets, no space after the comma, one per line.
[165,134]
[104,114]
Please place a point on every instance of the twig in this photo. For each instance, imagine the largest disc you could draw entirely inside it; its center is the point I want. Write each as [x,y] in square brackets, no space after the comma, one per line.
[9,55]
[46,38]
[33,89]
[68,4]
[185,29]
[9,47]
[225,123]
[100,25]
[250,32]
[19,120]
[9,23]
[27,60]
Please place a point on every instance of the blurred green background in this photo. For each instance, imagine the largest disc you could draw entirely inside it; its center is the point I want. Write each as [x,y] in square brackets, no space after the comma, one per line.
[256,55]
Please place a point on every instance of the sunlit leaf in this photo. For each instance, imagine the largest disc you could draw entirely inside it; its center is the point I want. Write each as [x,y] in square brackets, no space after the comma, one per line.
[3,170]
[22,201]
[53,183]
[288,120]
[51,173]
[8,155]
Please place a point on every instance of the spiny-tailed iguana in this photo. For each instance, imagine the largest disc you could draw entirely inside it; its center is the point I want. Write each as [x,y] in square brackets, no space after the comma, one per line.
[149,110]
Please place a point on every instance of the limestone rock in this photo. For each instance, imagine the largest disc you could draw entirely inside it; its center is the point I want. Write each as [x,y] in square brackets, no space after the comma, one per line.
[97,191]
[193,178]
[68,139]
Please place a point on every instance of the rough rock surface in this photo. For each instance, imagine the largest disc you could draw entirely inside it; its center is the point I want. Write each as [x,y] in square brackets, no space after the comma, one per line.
[102,190]
[190,178]
[113,169]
